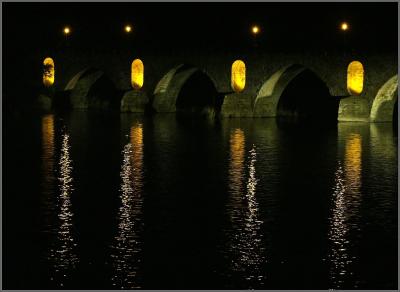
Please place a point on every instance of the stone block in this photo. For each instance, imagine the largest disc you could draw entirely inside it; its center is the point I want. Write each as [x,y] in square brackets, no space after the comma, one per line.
[237,105]
[134,101]
[353,109]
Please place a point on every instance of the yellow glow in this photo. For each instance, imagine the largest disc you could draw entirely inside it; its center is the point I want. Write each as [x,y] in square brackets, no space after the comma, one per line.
[128,28]
[48,72]
[238,76]
[48,141]
[137,143]
[137,74]
[353,161]
[67,30]
[255,29]
[344,26]
[355,78]
[236,169]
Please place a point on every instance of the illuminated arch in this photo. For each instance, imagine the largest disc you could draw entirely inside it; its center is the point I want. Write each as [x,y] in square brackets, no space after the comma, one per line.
[238,76]
[267,99]
[48,72]
[355,78]
[384,102]
[186,89]
[277,96]
[137,74]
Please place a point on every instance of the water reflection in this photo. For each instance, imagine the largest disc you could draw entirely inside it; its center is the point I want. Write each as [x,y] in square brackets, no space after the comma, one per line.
[246,251]
[49,176]
[345,214]
[62,255]
[126,250]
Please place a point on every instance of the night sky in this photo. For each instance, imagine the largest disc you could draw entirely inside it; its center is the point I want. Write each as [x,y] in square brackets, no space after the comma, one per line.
[36,29]
[285,26]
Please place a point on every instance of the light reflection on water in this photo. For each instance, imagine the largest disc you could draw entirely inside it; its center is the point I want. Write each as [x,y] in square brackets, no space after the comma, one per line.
[127,247]
[57,204]
[364,170]
[345,214]
[49,175]
[246,251]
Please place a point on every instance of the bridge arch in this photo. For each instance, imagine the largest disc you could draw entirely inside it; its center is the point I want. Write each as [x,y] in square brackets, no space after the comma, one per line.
[295,92]
[384,106]
[91,88]
[185,88]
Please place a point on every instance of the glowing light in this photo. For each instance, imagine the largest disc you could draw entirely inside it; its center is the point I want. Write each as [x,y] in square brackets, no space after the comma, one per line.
[255,29]
[238,76]
[48,72]
[355,78]
[48,148]
[128,28]
[344,26]
[67,30]
[137,74]
[353,161]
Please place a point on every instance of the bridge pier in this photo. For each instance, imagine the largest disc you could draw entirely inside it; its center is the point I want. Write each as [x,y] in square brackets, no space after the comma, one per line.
[353,109]
[134,101]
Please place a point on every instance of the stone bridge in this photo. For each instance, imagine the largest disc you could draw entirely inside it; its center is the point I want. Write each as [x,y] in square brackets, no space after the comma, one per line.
[277,83]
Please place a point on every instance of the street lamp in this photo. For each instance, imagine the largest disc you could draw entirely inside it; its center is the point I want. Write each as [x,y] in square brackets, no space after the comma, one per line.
[255,29]
[67,30]
[344,26]
[128,28]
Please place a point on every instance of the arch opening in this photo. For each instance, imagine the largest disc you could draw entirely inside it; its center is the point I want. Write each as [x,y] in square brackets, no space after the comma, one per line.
[306,98]
[185,89]
[48,72]
[198,94]
[91,88]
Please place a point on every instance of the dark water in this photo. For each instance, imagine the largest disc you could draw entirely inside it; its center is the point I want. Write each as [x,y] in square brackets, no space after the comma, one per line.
[94,201]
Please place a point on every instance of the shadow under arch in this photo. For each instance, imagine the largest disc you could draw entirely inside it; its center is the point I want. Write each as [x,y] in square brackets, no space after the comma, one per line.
[186,89]
[92,88]
[384,106]
[296,93]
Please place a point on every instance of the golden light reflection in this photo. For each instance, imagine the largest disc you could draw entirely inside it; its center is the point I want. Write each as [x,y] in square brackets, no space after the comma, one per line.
[137,74]
[126,250]
[355,78]
[237,158]
[63,252]
[238,76]
[48,72]
[246,248]
[67,30]
[48,172]
[345,214]
[48,138]
[353,162]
